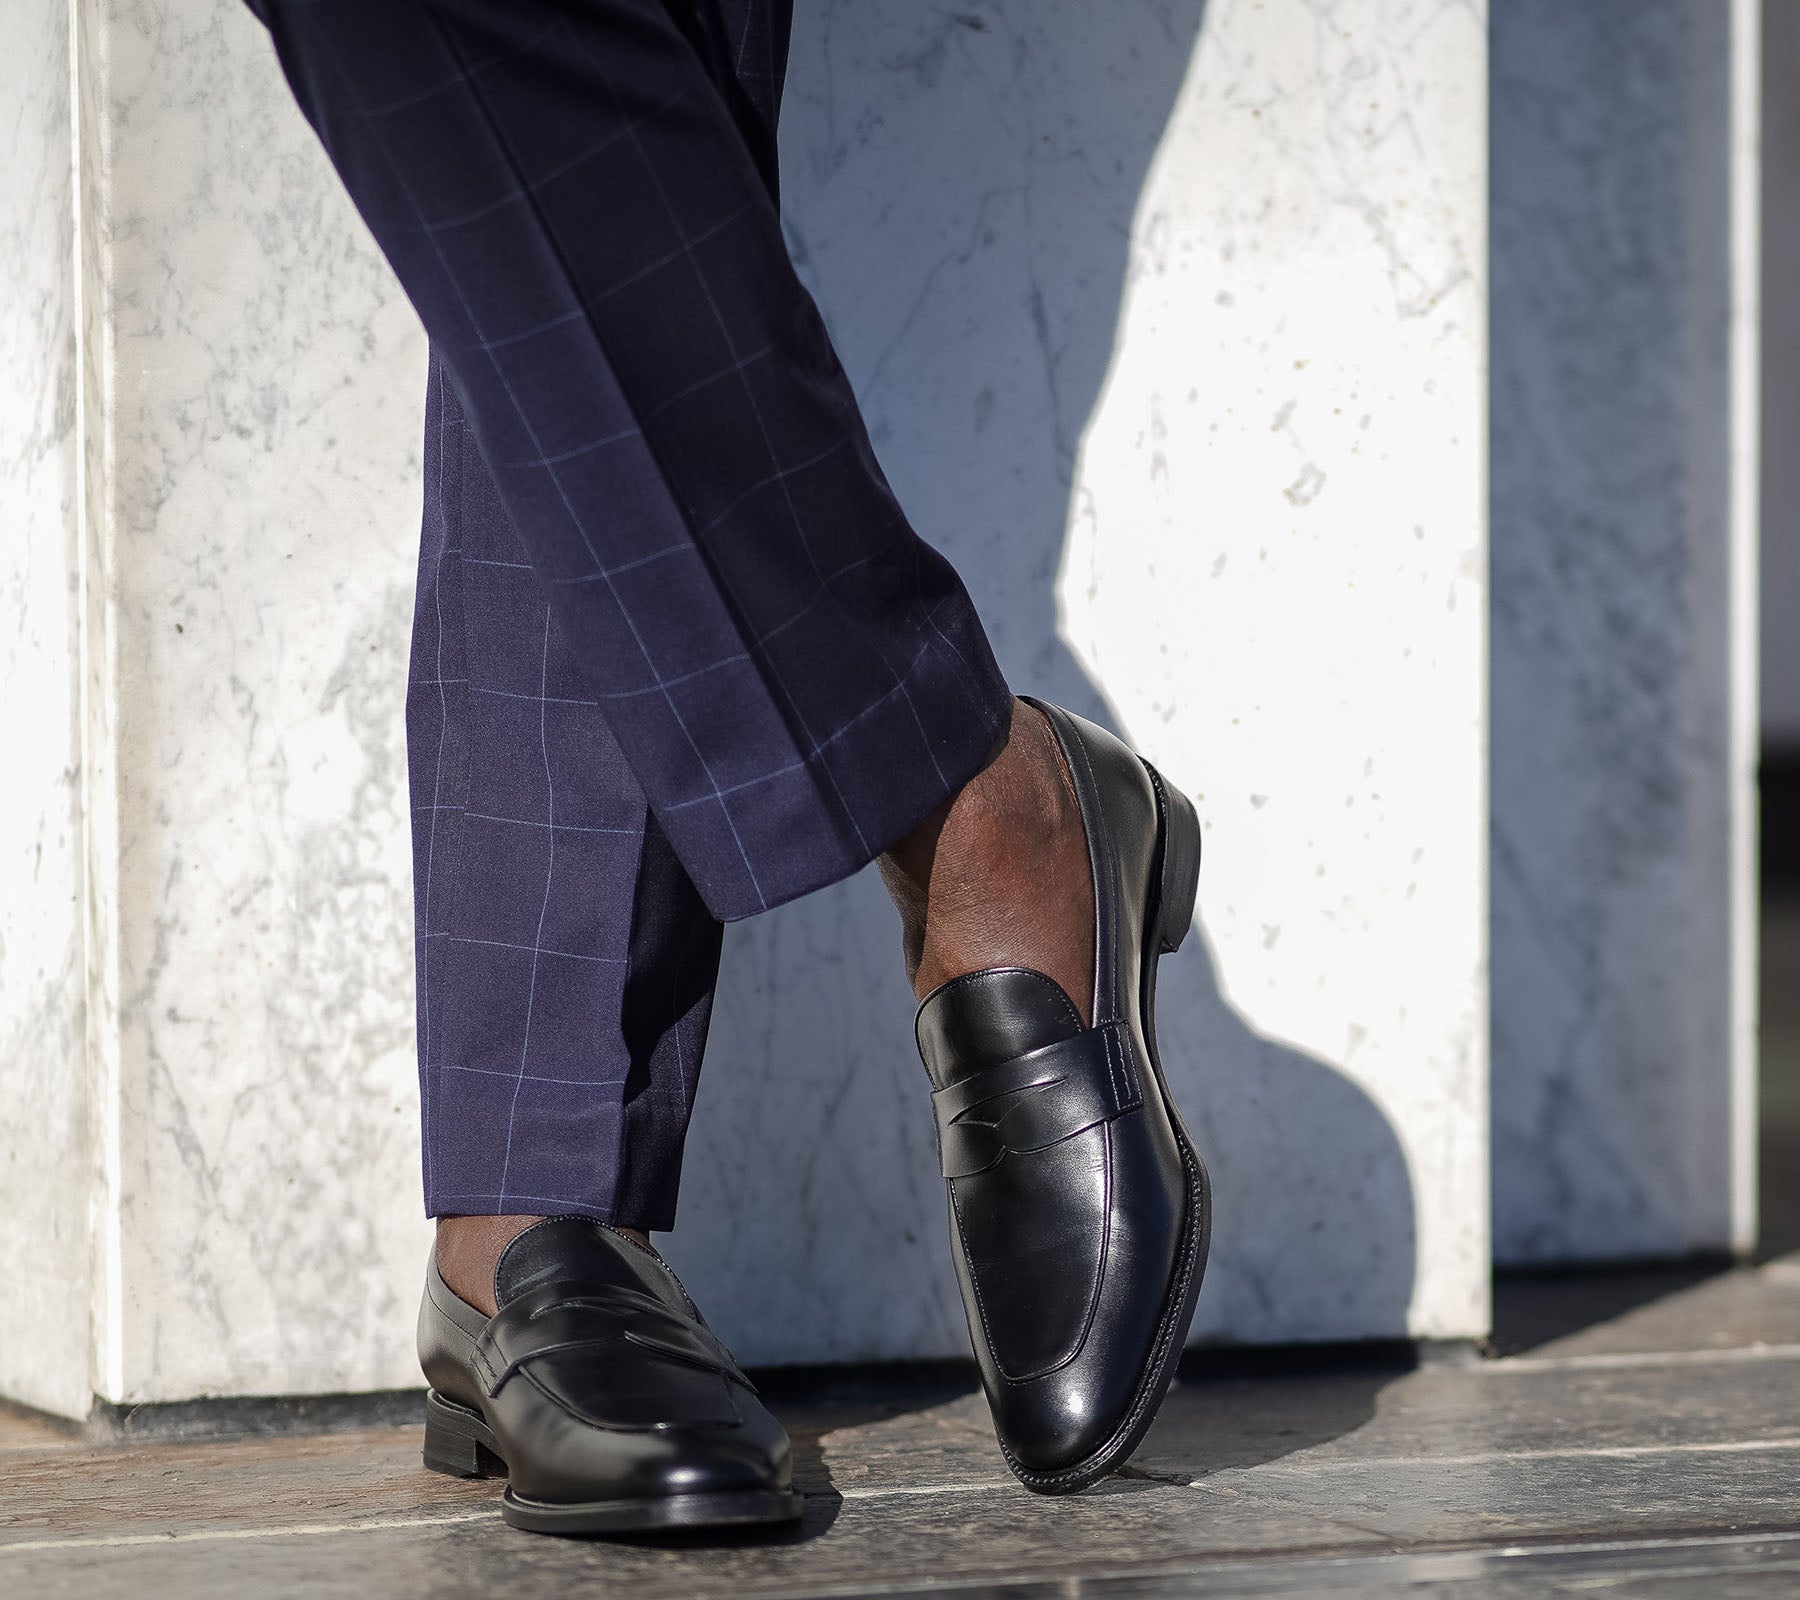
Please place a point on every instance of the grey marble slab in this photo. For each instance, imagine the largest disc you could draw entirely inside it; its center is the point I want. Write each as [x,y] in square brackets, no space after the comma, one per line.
[1780,589]
[1622,684]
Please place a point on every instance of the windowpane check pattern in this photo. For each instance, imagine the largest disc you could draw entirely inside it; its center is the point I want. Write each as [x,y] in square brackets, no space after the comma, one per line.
[565,960]
[578,197]
[678,655]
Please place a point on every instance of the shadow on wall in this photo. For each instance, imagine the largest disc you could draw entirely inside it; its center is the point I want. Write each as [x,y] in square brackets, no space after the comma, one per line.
[961,187]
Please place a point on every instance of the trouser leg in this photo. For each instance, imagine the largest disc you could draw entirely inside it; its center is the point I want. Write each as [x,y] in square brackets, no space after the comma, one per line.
[565,960]
[561,1077]
[792,676]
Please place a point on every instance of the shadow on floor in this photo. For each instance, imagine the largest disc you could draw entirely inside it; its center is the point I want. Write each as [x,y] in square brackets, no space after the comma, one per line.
[1230,1408]
[1533,1309]
[1235,1409]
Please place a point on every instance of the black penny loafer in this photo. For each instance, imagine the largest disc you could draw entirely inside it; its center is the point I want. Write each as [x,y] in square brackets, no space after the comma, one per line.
[599,1392]
[1080,1213]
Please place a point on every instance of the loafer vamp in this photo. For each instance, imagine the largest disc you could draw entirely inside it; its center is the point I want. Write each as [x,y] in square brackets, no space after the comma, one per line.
[597,1377]
[610,1357]
[553,1455]
[1066,1412]
[1032,1237]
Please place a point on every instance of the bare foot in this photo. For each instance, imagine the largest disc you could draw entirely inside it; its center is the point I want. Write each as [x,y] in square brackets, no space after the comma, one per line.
[999,877]
[468,1249]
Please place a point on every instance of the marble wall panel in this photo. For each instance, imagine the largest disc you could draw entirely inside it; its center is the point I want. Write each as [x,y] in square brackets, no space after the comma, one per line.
[1622,711]
[46,1152]
[266,380]
[1781,380]
[1169,323]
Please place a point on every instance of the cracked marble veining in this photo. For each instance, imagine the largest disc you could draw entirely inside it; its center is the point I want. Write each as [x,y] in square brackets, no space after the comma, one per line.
[265,376]
[1168,320]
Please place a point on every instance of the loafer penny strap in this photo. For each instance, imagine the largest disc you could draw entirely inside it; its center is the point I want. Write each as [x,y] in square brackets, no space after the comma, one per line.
[1036,1100]
[560,1317]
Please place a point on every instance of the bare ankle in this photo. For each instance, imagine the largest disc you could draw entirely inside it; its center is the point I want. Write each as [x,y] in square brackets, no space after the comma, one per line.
[999,876]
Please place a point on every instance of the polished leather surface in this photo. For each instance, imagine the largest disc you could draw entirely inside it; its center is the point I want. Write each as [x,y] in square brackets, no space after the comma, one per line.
[1077,1206]
[598,1378]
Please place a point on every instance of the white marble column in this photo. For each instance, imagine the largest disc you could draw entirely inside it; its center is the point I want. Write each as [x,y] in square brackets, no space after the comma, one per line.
[45,1152]
[1169,319]
[209,1173]
[1624,503]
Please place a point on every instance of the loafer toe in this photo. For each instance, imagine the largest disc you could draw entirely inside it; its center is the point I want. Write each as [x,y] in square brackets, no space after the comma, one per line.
[1050,1426]
[717,1462]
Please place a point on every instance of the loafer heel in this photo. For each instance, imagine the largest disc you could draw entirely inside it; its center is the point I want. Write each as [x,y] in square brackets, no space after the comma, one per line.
[451,1445]
[1180,863]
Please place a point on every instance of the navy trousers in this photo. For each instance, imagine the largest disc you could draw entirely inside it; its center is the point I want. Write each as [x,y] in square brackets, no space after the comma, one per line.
[678,656]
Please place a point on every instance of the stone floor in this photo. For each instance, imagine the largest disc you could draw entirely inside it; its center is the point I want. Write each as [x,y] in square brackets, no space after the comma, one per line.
[1632,1434]
[1655,1453]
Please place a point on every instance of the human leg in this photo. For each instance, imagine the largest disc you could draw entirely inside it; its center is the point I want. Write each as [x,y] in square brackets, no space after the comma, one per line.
[646,1044]
[801,812]
[793,676]
[565,961]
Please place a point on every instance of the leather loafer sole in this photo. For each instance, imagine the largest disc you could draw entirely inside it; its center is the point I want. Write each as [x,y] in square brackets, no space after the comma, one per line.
[1177,885]
[459,1442]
